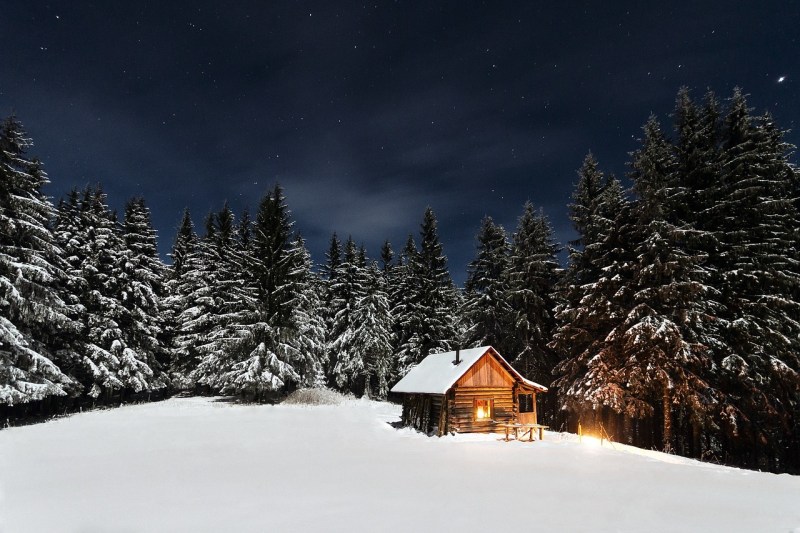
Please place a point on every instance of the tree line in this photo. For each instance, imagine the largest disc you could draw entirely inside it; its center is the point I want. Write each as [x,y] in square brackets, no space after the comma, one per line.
[674,325]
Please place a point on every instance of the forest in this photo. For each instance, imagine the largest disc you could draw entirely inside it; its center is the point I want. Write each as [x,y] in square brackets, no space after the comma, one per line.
[674,324]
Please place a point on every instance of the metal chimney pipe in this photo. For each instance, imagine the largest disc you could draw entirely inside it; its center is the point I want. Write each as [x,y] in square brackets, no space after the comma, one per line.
[458,356]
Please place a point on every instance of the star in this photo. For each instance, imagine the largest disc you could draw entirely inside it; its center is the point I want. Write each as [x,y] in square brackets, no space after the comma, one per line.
[781,79]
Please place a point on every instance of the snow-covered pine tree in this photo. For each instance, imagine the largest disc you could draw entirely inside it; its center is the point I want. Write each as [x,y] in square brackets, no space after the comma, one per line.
[71,238]
[182,282]
[185,243]
[244,230]
[230,300]
[759,270]
[333,258]
[97,369]
[402,307]
[429,303]
[573,336]
[36,326]
[308,333]
[372,334]
[533,274]
[697,160]
[487,311]
[259,340]
[596,292]
[142,290]
[198,308]
[347,288]
[661,344]
[271,247]
[117,366]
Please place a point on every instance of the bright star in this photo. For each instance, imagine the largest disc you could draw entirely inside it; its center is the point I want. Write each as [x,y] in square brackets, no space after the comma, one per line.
[781,79]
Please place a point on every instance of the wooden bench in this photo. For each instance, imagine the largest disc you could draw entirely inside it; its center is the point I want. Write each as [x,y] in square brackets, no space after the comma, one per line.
[525,428]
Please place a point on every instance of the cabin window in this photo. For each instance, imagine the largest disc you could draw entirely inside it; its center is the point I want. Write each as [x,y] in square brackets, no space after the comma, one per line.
[483,409]
[526,403]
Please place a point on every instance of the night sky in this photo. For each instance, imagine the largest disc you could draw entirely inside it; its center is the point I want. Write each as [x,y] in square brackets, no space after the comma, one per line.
[368,113]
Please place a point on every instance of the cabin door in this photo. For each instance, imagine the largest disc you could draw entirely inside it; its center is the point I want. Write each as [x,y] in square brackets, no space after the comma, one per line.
[527,409]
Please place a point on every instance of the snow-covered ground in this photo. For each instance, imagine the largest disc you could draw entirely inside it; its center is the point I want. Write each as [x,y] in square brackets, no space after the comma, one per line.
[203,465]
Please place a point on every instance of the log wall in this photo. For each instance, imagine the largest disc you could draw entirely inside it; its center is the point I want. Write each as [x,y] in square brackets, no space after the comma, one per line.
[423,412]
[461,409]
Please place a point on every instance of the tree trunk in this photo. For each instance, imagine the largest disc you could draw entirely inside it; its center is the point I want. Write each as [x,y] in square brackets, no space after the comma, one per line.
[667,409]
[697,446]
[627,430]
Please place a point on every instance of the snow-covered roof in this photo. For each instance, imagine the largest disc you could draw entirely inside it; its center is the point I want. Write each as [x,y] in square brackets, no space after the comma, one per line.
[437,373]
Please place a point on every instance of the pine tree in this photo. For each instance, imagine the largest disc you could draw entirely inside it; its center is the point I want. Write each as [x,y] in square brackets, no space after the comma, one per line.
[257,341]
[35,322]
[660,346]
[71,237]
[488,310]
[757,230]
[271,242]
[574,334]
[372,334]
[116,365]
[402,307]
[427,313]
[333,259]
[347,289]
[228,298]
[199,307]
[182,281]
[142,290]
[387,255]
[308,339]
[185,242]
[533,274]
[596,291]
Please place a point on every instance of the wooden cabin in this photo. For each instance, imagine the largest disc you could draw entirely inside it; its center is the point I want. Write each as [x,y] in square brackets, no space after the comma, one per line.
[466,391]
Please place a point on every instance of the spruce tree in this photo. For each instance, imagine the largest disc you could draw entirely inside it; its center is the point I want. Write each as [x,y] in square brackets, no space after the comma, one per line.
[198,308]
[387,255]
[36,326]
[142,291]
[347,289]
[533,274]
[574,333]
[660,346]
[182,281]
[429,302]
[257,340]
[595,291]
[488,311]
[372,334]
[308,335]
[119,365]
[757,229]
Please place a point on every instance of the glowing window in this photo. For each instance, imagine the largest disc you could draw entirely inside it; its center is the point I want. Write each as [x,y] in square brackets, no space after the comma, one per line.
[484,409]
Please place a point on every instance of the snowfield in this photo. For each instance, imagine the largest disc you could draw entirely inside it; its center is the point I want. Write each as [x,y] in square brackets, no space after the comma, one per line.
[196,464]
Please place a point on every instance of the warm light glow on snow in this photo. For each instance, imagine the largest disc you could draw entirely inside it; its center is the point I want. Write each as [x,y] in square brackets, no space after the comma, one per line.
[593,442]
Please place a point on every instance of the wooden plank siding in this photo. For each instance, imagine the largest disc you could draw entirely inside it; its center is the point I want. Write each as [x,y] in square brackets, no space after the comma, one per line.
[486,372]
